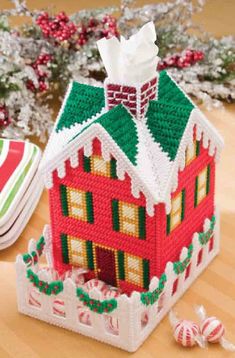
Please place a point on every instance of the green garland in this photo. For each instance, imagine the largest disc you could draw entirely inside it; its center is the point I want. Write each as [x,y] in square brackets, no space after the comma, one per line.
[180,266]
[55,287]
[30,259]
[105,306]
[204,237]
[149,298]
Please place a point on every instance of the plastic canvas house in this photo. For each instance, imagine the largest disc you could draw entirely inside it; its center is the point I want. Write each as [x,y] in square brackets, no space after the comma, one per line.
[130,170]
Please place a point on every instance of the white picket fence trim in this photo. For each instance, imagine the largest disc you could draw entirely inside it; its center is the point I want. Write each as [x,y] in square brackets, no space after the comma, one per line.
[131,333]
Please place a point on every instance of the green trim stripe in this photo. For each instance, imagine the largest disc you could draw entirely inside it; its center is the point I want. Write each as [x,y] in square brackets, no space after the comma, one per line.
[90,259]
[142,222]
[183,205]
[113,168]
[121,269]
[18,184]
[89,207]
[168,224]
[115,215]
[64,247]
[197,148]
[1,145]
[195,192]
[146,274]
[208,179]
[64,200]
[87,164]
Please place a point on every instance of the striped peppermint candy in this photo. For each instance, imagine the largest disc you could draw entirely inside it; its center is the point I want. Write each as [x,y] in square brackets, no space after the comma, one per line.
[112,324]
[34,298]
[186,332]
[111,292]
[94,282]
[212,329]
[84,315]
[58,307]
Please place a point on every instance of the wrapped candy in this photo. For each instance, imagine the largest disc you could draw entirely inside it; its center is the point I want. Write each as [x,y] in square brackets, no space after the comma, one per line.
[84,315]
[186,332]
[94,282]
[213,329]
[58,307]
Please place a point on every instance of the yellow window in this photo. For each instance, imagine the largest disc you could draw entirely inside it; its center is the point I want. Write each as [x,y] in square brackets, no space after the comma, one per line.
[77,251]
[176,215]
[95,164]
[100,166]
[192,152]
[77,204]
[134,269]
[129,218]
[202,185]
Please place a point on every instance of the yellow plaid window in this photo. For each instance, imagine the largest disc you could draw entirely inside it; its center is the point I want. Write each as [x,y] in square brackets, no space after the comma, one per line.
[77,251]
[192,152]
[134,269]
[96,164]
[77,204]
[129,222]
[176,215]
[202,185]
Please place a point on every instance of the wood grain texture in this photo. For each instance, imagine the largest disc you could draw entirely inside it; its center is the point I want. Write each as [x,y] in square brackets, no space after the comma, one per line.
[22,336]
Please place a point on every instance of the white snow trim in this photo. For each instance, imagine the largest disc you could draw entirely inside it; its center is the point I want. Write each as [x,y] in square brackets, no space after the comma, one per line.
[60,139]
[108,148]
[211,140]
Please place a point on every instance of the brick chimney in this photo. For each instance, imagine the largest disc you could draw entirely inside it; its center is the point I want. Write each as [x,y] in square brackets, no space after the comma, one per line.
[134,98]
[131,66]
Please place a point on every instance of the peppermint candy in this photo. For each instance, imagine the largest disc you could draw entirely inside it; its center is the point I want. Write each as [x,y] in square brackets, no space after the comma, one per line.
[212,329]
[186,333]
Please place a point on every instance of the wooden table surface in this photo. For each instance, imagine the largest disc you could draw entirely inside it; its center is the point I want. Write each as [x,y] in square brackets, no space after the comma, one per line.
[21,336]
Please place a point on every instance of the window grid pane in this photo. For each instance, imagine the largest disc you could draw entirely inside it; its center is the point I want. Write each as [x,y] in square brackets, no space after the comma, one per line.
[134,269]
[77,204]
[99,166]
[129,218]
[77,251]
[176,211]
[201,188]
[191,153]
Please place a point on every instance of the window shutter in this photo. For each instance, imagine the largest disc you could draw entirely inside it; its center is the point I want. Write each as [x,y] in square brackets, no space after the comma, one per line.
[142,223]
[208,179]
[115,215]
[168,224]
[195,192]
[146,274]
[89,207]
[89,251]
[197,148]
[64,246]
[113,168]
[87,164]
[183,205]
[64,200]
[121,268]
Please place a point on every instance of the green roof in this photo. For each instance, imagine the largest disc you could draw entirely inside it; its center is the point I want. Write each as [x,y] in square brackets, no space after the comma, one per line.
[169,92]
[121,127]
[167,123]
[82,103]
[167,117]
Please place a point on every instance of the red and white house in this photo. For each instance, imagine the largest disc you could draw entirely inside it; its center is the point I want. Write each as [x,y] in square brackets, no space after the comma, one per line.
[131,176]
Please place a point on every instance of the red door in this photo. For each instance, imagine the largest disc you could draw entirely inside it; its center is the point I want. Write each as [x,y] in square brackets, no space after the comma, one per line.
[105,261]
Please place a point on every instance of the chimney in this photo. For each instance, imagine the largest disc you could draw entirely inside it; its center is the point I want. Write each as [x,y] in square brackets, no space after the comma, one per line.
[134,98]
[131,67]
